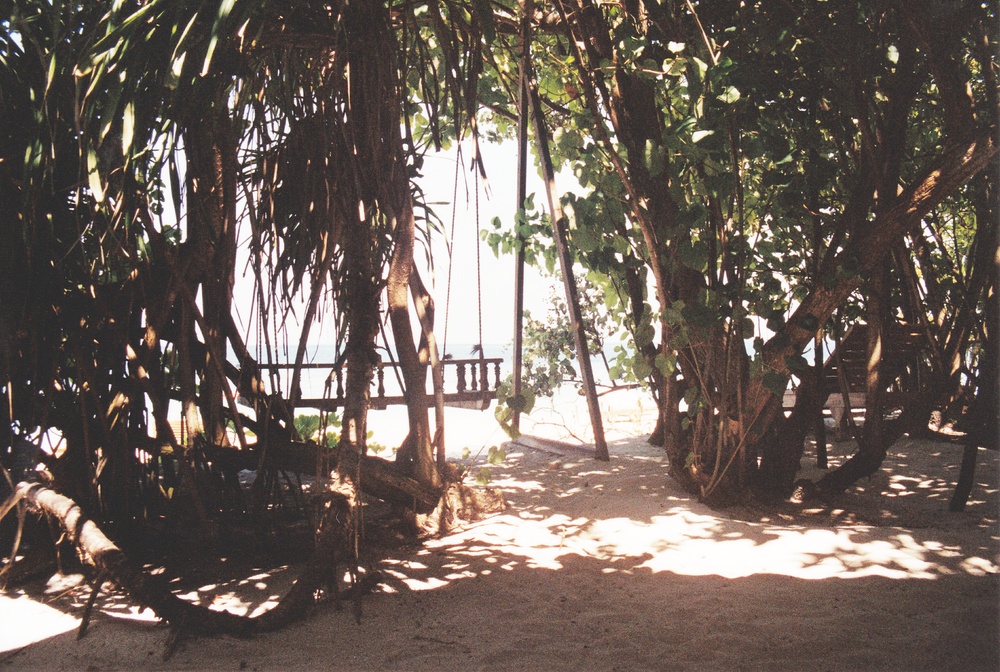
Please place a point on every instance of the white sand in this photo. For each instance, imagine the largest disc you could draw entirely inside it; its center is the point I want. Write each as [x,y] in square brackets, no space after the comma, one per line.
[609,566]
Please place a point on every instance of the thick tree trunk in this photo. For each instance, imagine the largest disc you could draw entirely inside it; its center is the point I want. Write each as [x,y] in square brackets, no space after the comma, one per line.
[783,449]
[374,121]
[953,169]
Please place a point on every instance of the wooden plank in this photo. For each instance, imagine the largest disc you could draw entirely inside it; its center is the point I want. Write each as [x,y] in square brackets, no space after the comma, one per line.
[554,446]
[560,235]
[471,400]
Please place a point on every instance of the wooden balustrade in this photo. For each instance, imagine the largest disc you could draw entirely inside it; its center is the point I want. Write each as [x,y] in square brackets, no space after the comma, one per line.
[469,383]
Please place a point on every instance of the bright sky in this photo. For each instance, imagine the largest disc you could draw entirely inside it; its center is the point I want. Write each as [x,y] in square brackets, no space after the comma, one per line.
[497,275]
[499,200]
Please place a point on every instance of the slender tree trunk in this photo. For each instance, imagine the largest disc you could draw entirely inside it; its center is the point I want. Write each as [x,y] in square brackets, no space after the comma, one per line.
[984,416]
[559,234]
[424,304]
[418,448]
[212,162]
[360,291]
[819,374]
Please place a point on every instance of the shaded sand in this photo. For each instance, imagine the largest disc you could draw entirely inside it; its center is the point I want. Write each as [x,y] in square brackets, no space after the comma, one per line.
[609,566]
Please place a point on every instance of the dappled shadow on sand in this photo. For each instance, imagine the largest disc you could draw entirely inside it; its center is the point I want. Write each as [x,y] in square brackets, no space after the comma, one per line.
[656,526]
[609,566]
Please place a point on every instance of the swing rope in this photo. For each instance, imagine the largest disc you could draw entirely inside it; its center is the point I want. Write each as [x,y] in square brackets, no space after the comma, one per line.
[451,255]
[479,266]
[451,250]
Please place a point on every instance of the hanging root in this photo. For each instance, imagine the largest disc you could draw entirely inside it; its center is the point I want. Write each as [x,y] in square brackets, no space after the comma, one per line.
[95,590]
[332,540]
[12,502]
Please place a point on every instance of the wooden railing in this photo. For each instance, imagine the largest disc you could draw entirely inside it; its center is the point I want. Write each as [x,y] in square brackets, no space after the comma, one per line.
[846,369]
[469,383]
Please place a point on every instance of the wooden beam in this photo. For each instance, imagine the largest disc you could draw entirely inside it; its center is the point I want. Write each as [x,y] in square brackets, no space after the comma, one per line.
[559,233]
[553,446]
[474,400]
[522,188]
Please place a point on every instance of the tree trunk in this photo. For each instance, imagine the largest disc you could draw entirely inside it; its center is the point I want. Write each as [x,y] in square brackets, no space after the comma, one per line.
[954,168]
[424,304]
[385,200]
[417,450]
[984,415]
[212,161]
[360,295]
[333,542]
[872,444]
[559,234]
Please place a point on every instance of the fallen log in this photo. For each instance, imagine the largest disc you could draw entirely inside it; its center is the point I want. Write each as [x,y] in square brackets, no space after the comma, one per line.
[379,477]
[334,541]
[382,479]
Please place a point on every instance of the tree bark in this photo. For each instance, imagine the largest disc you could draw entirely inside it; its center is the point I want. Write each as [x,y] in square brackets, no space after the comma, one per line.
[559,234]
[984,415]
[872,444]
[212,161]
[417,449]
[424,304]
[385,202]
[332,542]
[953,169]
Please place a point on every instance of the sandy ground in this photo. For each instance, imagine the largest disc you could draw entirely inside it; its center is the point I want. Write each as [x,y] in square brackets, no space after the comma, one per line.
[610,566]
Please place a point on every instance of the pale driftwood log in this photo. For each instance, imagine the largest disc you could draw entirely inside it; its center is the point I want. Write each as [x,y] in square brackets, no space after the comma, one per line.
[151,591]
[380,478]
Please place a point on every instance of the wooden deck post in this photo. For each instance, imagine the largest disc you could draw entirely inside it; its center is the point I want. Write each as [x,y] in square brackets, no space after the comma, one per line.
[522,188]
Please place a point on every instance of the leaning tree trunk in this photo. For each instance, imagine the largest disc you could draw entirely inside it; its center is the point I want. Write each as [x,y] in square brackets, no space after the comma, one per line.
[333,543]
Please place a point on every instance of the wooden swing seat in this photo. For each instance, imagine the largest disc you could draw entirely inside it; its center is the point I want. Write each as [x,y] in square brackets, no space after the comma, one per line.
[473,385]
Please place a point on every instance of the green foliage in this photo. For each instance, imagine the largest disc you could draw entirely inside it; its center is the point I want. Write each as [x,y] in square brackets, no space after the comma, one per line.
[535,231]
[550,346]
[483,475]
[496,455]
[729,156]
[308,428]
[374,447]
[508,404]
